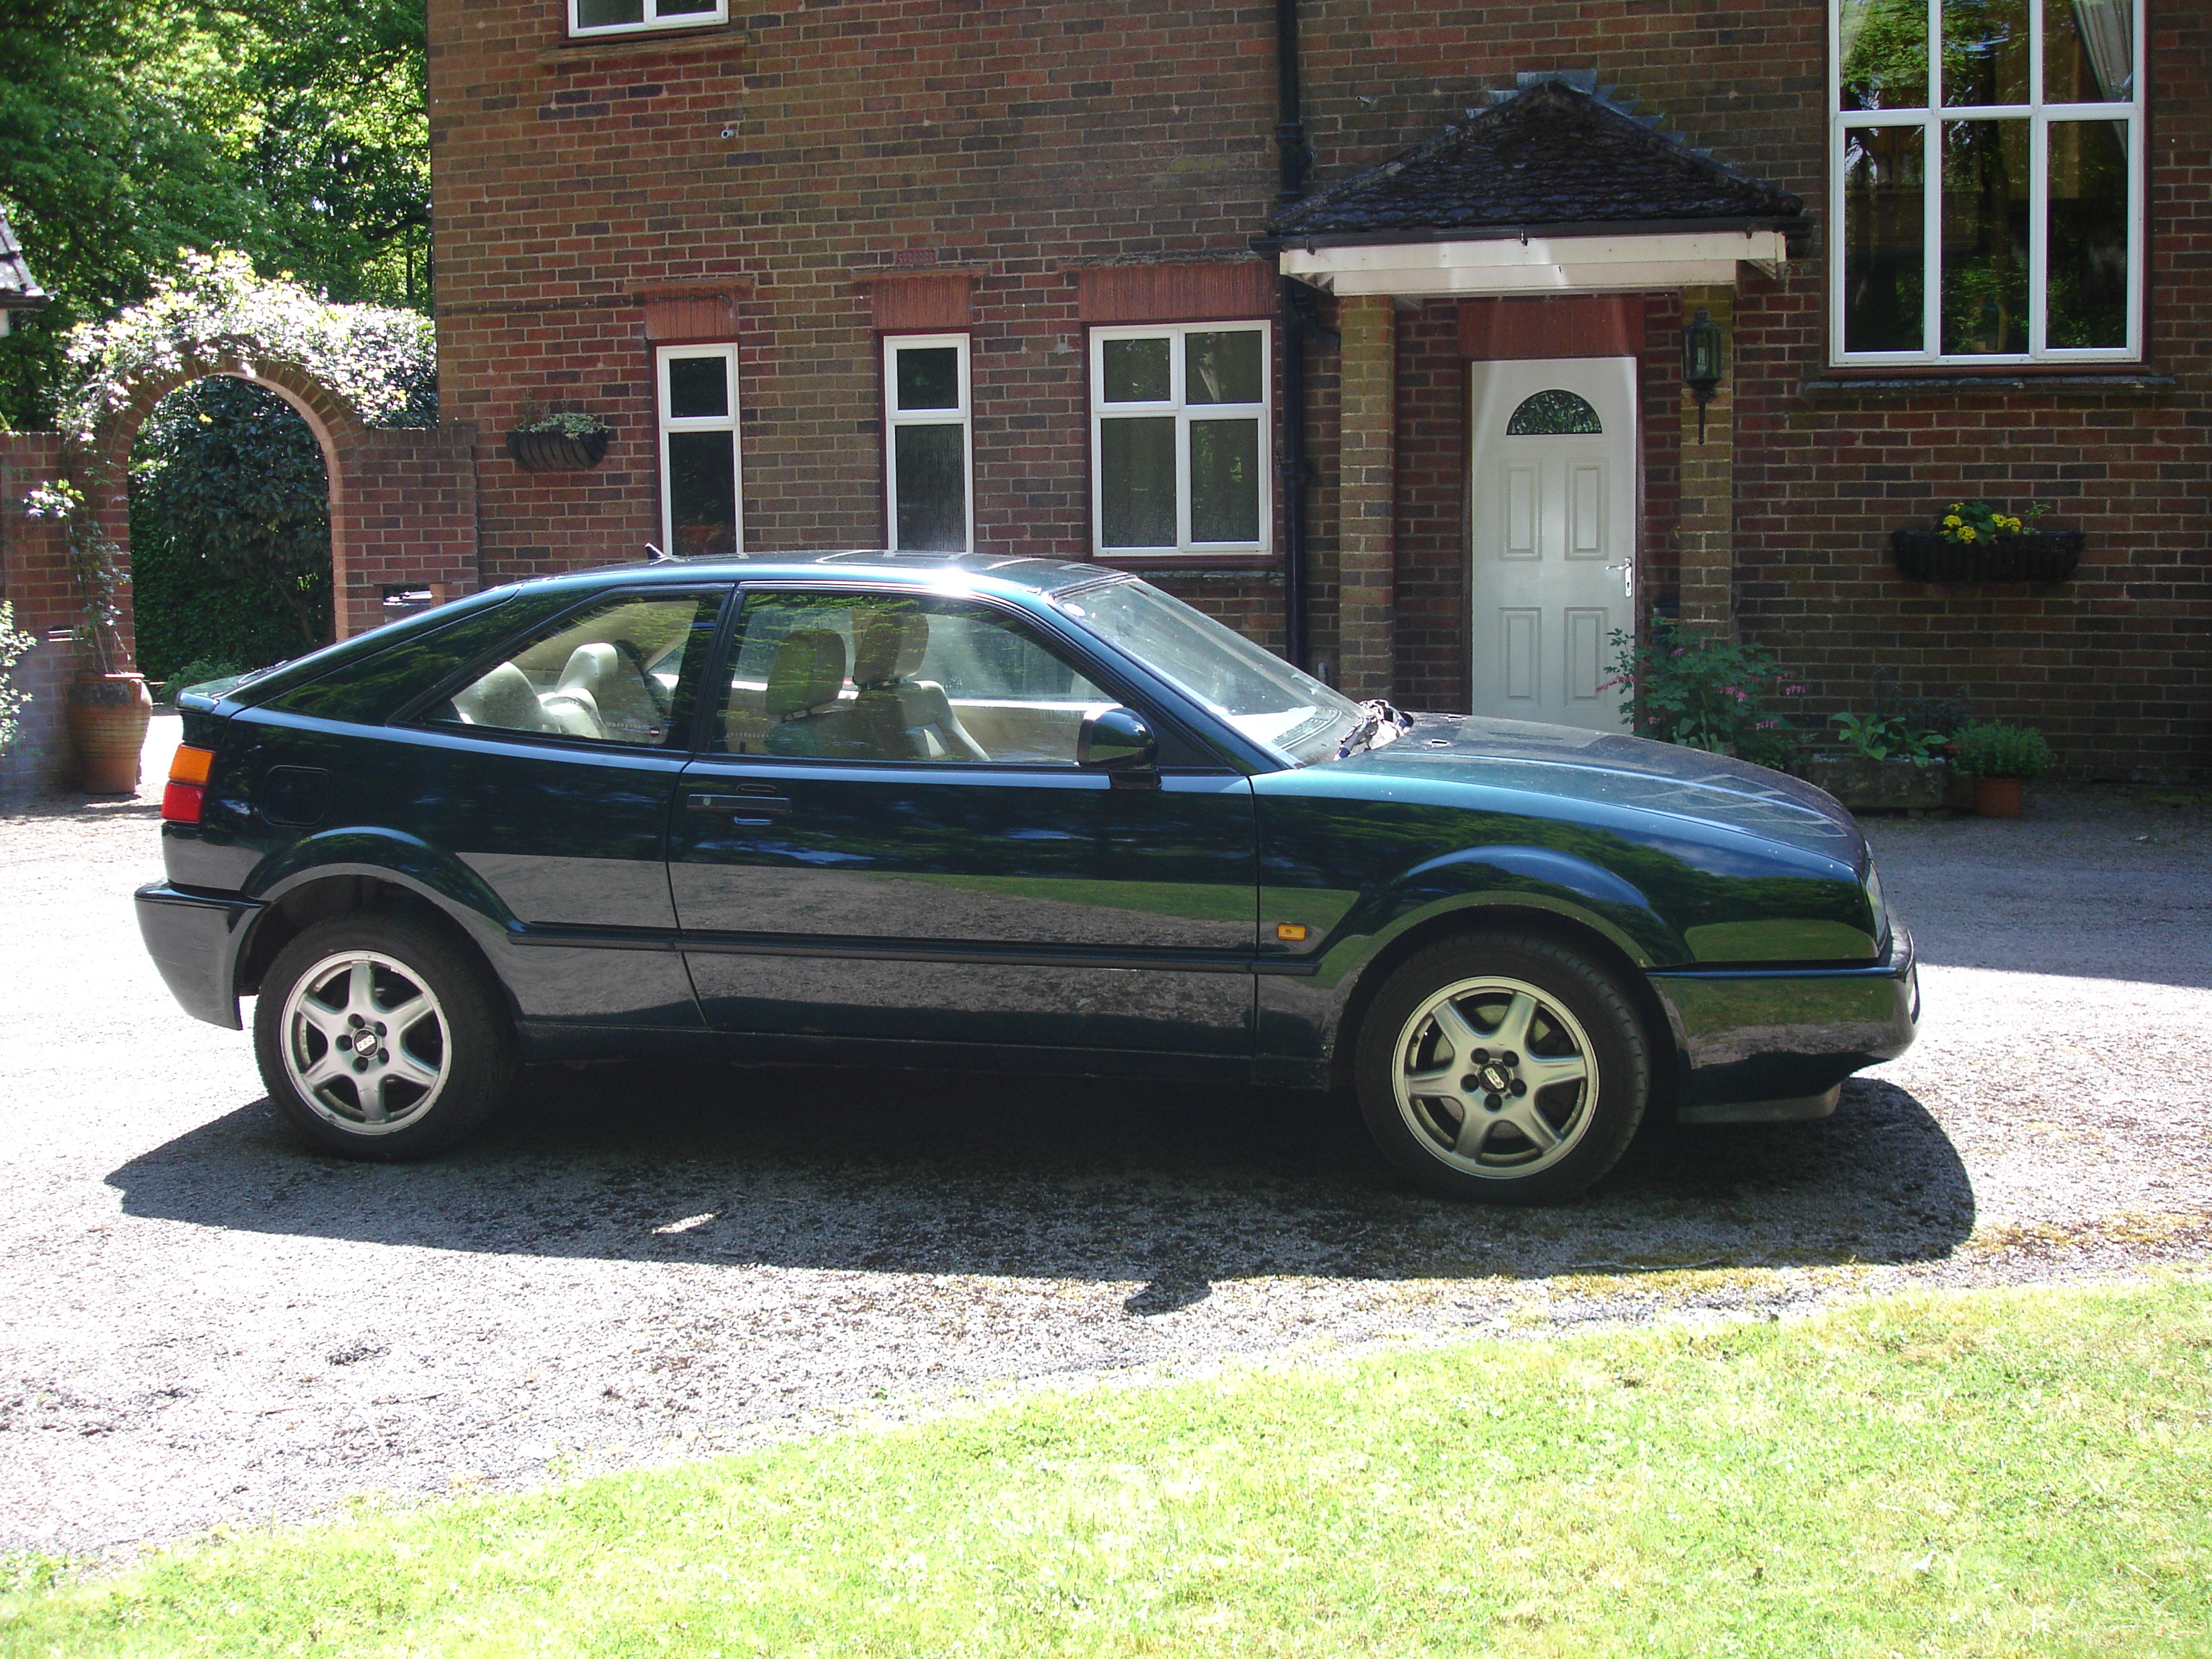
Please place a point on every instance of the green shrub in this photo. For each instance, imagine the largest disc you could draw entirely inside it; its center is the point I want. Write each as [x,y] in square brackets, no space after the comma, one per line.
[13,645]
[199,671]
[1691,688]
[1990,749]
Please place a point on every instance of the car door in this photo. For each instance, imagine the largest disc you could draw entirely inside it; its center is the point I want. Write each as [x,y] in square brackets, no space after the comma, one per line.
[547,769]
[888,836]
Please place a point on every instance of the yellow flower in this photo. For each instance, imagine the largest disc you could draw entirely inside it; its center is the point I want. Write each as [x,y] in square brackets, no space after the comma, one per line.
[1969,533]
[1953,520]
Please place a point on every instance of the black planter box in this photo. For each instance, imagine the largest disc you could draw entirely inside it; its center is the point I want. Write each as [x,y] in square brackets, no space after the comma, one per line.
[2037,555]
[556,451]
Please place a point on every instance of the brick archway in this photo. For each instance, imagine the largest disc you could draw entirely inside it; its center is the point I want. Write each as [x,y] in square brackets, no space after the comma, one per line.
[402,504]
[402,499]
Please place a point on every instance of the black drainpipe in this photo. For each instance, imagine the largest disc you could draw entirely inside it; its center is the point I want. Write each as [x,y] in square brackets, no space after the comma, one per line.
[1291,141]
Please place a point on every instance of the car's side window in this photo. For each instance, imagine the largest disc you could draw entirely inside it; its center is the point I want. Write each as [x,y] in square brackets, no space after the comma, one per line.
[614,674]
[866,677]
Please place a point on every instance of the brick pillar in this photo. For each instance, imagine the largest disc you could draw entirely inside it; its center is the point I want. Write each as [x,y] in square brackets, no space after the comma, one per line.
[1708,514]
[1367,562]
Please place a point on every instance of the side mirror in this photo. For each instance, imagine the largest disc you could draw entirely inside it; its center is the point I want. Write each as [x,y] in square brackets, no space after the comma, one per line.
[1114,739]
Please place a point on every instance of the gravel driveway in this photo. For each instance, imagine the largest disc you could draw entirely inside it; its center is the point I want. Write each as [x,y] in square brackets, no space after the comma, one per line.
[204,1323]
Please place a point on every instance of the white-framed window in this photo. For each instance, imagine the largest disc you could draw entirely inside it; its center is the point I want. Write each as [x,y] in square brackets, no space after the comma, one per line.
[631,16]
[1987,181]
[1179,447]
[700,516]
[927,464]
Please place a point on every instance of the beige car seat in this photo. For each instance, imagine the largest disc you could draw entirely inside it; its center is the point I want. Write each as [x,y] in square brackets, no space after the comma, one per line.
[503,699]
[802,699]
[904,718]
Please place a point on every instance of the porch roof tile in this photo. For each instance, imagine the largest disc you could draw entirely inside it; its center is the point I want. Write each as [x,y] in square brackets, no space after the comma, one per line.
[1550,153]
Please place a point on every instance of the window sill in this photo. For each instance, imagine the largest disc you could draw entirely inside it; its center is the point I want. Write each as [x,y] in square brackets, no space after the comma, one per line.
[1243,567]
[1893,384]
[585,51]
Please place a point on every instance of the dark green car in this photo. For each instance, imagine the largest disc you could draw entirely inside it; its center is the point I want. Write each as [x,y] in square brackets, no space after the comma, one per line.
[993,813]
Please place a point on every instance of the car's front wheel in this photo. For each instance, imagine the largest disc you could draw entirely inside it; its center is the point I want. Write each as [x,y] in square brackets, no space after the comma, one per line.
[1507,1068]
[379,1039]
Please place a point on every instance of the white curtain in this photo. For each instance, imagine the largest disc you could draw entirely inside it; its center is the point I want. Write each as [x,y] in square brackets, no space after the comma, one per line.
[2108,35]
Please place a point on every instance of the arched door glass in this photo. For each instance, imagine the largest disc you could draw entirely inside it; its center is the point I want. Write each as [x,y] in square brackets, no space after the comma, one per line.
[1552,413]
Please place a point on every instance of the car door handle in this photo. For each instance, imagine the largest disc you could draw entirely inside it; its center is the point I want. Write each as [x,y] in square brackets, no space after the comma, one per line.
[744,809]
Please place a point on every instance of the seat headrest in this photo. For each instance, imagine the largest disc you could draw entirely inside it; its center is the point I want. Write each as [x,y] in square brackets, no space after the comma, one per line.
[502,698]
[888,645]
[589,666]
[809,667]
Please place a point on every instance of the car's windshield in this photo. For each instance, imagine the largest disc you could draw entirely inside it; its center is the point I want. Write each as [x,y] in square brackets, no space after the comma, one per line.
[1276,705]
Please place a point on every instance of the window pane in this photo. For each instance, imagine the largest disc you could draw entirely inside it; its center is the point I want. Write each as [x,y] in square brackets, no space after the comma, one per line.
[928,377]
[1222,367]
[698,387]
[1884,45]
[1136,481]
[672,8]
[1884,269]
[2088,51]
[1224,481]
[606,14]
[611,677]
[1985,51]
[931,482]
[880,677]
[703,494]
[1985,298]
[1135,371]
[2088,249]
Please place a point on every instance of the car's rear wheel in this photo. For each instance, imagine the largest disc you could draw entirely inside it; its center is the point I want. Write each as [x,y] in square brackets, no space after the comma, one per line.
[1507,1068]
[379,1039]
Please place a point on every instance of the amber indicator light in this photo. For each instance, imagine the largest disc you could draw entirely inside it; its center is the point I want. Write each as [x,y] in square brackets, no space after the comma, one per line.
[1290,932]
[182,800]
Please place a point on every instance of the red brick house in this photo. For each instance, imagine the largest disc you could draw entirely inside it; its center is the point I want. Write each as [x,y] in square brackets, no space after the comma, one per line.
[1362,324]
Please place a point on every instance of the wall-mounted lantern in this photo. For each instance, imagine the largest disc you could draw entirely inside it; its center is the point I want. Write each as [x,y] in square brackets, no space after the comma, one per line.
[1703,362]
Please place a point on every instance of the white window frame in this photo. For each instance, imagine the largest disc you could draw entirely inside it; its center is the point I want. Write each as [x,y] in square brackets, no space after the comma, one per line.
[2039,116]
[1184,412]
[667,423]
[894,418]
[653,20]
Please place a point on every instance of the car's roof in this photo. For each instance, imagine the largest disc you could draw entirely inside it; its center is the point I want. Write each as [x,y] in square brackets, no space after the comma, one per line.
[1037,576]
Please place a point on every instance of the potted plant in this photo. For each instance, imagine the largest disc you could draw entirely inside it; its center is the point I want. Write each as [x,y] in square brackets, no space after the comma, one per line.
[1976,542]
[1888,763]
[2000,759]
[564,442]
[108,707]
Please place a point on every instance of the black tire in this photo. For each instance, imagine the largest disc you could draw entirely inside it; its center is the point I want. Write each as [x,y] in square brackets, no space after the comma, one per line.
[1466,1139]
[407,1092]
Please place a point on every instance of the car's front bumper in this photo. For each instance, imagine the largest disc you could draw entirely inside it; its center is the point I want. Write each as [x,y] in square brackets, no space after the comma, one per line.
[1787,1035]
[193,938]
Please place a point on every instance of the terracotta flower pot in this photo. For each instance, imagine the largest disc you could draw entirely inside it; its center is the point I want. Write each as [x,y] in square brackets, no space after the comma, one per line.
[107,715]
[1998,798]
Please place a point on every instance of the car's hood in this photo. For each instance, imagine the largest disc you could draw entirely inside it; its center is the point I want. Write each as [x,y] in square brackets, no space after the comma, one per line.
[1607,770]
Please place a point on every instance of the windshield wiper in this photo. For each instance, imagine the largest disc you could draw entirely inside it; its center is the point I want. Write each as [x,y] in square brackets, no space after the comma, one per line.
[1374,714]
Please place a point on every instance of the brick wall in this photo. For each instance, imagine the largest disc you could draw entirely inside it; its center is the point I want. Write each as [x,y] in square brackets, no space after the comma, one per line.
[34,578]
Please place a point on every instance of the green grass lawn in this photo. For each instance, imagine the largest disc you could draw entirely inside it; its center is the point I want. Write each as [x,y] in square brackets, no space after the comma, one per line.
[1993,1473]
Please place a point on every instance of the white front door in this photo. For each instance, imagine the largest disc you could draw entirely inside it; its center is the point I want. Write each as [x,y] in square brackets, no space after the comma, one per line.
[1553,529]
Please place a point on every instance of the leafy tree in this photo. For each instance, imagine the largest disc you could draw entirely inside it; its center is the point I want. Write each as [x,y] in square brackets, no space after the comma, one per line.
[132,130]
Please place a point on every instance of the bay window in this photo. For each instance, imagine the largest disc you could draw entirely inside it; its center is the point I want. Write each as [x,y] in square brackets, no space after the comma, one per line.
[1179,440]
[1987,163]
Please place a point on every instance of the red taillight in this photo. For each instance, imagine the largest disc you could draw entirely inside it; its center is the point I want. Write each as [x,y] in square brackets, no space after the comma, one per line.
[187,791]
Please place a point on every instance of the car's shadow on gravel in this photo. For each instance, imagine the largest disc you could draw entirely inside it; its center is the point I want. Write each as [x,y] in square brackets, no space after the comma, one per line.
[1176,1188]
